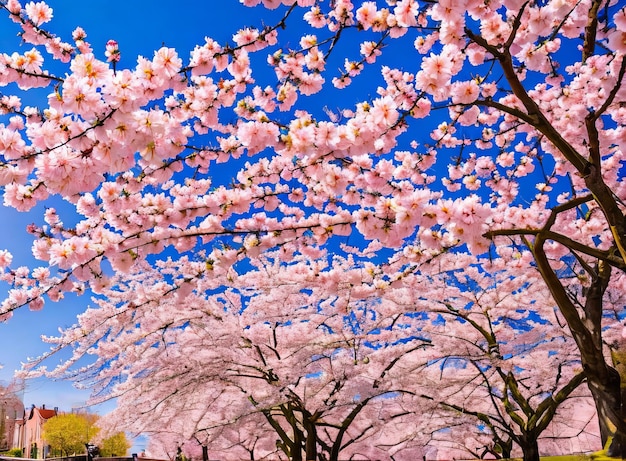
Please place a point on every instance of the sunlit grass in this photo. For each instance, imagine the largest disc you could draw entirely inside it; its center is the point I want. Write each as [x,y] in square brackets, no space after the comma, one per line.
[602,456]
[578,457]
[596,456]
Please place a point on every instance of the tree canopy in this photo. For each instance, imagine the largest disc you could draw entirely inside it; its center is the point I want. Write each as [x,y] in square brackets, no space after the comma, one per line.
[381,229]
[115,445]
[68,433]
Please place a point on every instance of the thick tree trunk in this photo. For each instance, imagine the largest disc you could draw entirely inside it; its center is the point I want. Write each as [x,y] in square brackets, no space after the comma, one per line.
[607,396]
[603,380]
[310,445]
[605,384]
[530,448]
[296,454]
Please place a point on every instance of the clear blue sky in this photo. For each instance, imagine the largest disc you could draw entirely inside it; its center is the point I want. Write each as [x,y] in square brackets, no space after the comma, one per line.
[140,27]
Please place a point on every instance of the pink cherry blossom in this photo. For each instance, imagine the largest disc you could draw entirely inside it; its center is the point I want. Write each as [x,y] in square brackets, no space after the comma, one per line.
[39,12]
[366,14]
[349,214]
[112,51]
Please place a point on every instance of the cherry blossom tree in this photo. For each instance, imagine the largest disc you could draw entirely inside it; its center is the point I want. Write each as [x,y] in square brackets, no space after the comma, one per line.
[279,366]
[489,364]
[502,137]
[316,377]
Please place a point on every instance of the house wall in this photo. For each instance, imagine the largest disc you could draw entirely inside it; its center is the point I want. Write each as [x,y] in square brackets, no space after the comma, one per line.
[11,408]
[29,431]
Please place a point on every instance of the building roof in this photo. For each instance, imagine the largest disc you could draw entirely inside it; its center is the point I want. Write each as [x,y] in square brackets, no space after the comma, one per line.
[47,414]
[44,413]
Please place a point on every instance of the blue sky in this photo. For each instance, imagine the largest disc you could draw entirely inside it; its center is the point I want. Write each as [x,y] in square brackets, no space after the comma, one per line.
[140,27]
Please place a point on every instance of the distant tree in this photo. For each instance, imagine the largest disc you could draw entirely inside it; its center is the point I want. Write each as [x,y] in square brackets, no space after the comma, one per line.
[115,445]
[68,433]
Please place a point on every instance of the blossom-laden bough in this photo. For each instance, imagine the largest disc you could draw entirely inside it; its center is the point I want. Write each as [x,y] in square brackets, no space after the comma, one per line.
[492,137]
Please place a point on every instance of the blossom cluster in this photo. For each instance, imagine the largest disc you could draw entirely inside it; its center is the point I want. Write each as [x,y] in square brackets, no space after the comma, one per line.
[371,152]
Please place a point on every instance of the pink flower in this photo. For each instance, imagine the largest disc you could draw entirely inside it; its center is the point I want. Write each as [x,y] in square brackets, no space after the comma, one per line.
[469,116]
[494,29]
[465,92]
[14,6]
[39,12]
[287,96]
[271,4]
[246,36]
[202,57]
[539,20]
[326,135]
[366,14]
[475,54]
[422,108]
[123,90]
[79,34]
[32,61]
[256,136]
[447,10]
[314,59]
[11,144]
[406,13]
[5,259]
[353,68]
[86,65]
[370,51]
[384,111]
[166,60]
[122,261]
[315,17]
[239,68]
[424,44]
[311,83]
[79,96]
[112,51]
[437,67]
[21,197]
[617,41]
[341,82]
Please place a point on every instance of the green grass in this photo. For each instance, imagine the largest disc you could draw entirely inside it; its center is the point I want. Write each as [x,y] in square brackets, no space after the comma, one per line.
[569,458]
[598,456]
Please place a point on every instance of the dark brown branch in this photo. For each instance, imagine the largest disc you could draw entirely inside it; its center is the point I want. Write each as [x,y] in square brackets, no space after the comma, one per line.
[591,30]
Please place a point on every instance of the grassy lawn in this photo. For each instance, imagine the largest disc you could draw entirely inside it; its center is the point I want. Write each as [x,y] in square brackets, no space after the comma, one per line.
[596,456]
